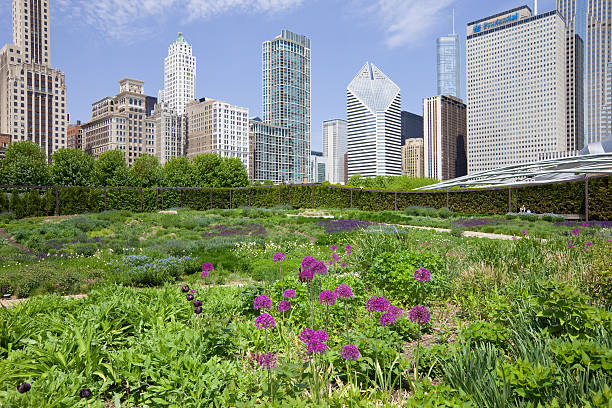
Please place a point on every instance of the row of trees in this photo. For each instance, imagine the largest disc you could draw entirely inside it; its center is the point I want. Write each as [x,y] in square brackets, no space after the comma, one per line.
[392,183]
[25,163]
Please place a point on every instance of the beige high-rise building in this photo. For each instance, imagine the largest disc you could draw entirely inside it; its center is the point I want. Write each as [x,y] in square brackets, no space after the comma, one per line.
[444,137]
[121,123]
[412,158]
[32,94]
[217,127]
[170,133]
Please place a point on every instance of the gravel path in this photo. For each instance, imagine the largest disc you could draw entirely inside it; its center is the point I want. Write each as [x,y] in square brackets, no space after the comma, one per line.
[476,234]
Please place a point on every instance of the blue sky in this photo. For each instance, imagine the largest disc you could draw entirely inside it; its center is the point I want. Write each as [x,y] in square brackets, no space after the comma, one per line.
[98,42]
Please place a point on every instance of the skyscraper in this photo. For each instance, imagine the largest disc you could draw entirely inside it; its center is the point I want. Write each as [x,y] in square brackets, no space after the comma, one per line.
[374,124]
[32,94]
[574,13]
[318,167]
[445,137]
[517,88]
[334,148]
[412,126]
[179,75]
[286,96]
[413,158]
[170,133]
[269,152]
[449,64]
[606,111]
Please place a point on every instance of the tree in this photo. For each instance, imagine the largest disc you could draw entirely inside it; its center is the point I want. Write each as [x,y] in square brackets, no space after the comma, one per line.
[206,170]
[71,167]
[177,172]
[145,172]
[233,173]
[354,180]
[110,169]
[24,163]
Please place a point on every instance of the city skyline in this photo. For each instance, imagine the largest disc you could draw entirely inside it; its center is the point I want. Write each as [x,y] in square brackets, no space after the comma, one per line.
[343,36]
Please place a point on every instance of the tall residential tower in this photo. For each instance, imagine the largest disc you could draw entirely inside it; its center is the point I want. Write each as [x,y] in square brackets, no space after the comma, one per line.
[334,148]
[32,94]
[449,64]
[374,124]
[286,97]
[179,76]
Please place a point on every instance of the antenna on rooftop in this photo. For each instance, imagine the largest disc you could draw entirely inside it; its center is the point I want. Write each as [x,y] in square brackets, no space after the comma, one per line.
[454,20]
[535,8]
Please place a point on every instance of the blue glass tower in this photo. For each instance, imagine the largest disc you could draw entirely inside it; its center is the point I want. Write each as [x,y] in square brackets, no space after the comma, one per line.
[449,78]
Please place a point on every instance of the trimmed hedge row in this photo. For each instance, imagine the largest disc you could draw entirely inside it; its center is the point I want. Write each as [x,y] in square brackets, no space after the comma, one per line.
[559,198]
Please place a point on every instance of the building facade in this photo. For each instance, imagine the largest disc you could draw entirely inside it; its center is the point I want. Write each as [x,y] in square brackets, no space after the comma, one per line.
[179,76]
[517,93]
[412,126]
[318,167]
[449,65]
[269,151]
[606,111]
[32,94]
[374,124]
[121,123]
[5,140]
[75,136]
[170,133]
[412,158]
[286,96]
[334,148]
[217,127]
[445,137]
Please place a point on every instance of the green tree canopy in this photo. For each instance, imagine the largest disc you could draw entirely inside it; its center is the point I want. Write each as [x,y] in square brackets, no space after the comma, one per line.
[145,172]
[24,163]
[233,173]
[71,167]
[110,169]
[206,170]
[177,172]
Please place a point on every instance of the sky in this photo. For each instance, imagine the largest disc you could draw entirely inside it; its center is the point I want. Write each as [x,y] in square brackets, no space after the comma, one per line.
[98,42]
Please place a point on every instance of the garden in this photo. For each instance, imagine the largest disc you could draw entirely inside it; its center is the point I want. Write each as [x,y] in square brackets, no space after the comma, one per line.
[278,307]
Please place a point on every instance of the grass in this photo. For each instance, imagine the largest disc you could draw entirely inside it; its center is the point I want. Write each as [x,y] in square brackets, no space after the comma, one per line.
[514,323]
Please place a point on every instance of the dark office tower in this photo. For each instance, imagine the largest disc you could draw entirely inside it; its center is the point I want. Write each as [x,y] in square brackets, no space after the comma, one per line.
[412,126]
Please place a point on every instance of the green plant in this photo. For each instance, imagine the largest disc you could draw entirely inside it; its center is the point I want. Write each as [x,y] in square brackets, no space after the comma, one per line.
[486,332]
[582,354]
[528,380]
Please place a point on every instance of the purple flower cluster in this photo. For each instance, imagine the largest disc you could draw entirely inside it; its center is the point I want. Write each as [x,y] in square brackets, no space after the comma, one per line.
[185,289]
[265,321]
[284,305]
[391,316]
[422,275]
[262,302]
[377,304]
[334,248]
[306,275]
[475,222]
[24,387]
[289,293]
[342,225]
[278,257]
[350,352]
[315,340]
[419,315]
[576,231]
[601,224]
[207,268]
[344,291]
[267,361]
[310,267]
[327,298]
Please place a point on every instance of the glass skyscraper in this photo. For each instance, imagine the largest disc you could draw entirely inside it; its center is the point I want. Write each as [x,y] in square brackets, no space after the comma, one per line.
[449,80]
[286,98]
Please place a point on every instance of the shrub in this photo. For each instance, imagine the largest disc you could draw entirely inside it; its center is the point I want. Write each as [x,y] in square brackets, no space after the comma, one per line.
[531,217]
[421,211]
[486,332]
[444,212]
[551,217]
[511,216]
[142,270]
[4,201]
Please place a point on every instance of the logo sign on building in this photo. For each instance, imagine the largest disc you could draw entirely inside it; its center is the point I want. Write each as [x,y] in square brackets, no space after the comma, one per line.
[490,24]
[499,20]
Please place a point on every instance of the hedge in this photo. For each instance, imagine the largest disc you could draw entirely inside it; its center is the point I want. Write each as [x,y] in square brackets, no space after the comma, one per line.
[558,198]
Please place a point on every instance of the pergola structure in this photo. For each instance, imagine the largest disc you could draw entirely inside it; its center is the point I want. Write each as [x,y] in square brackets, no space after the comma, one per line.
[562,169]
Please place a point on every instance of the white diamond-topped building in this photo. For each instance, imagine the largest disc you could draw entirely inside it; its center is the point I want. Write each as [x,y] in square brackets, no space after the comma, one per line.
[374,124]
[179,76]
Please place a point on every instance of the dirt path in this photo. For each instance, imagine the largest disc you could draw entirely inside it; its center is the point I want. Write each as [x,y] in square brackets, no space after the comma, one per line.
[14,243]
[12,302]
[476,234]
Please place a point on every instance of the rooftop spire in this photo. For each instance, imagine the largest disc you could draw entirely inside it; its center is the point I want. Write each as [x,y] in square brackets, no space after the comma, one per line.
[180,38]
[454,21]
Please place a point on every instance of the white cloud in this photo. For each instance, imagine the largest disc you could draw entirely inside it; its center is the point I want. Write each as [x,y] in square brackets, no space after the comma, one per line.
[407,21]
[125,19]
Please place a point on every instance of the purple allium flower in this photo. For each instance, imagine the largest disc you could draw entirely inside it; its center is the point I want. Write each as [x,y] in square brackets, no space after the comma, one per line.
[588,244]
[262,302]
[524,232]
[319,268]
[388,318]
[192,291]
[278,257]
[350,352]
[208,267]
[585,224]
[334,247]
[570,245]
[306,275]
[422,275]
[189,297]
[576,231]
[335,257]
[267,361]
[85,393]
[185,289]
[344,291]
[343,264]
[197,303]
[377,304]
[265,321]
[348,252]
[316,347]
[327,297]
[348,247]
[25,387]
[320,335]
[284,306]
[330,262]
[419,315]
[306,334]
[308,262]
[394,310]
[289,293]
[198,310]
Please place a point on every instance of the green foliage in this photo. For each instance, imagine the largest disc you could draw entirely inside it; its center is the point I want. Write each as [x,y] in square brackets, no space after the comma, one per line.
[395,183]
[110,169]
[24,164]
[71,167]
[528,380]
[393,274]
[4,201]
[550,217]
[528,216]
[33,204]
[421,211]
[582,354]
[145,172]
[141,270]
[177,172]
[511,216]
[17,205]
[486,332]
[212,170]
